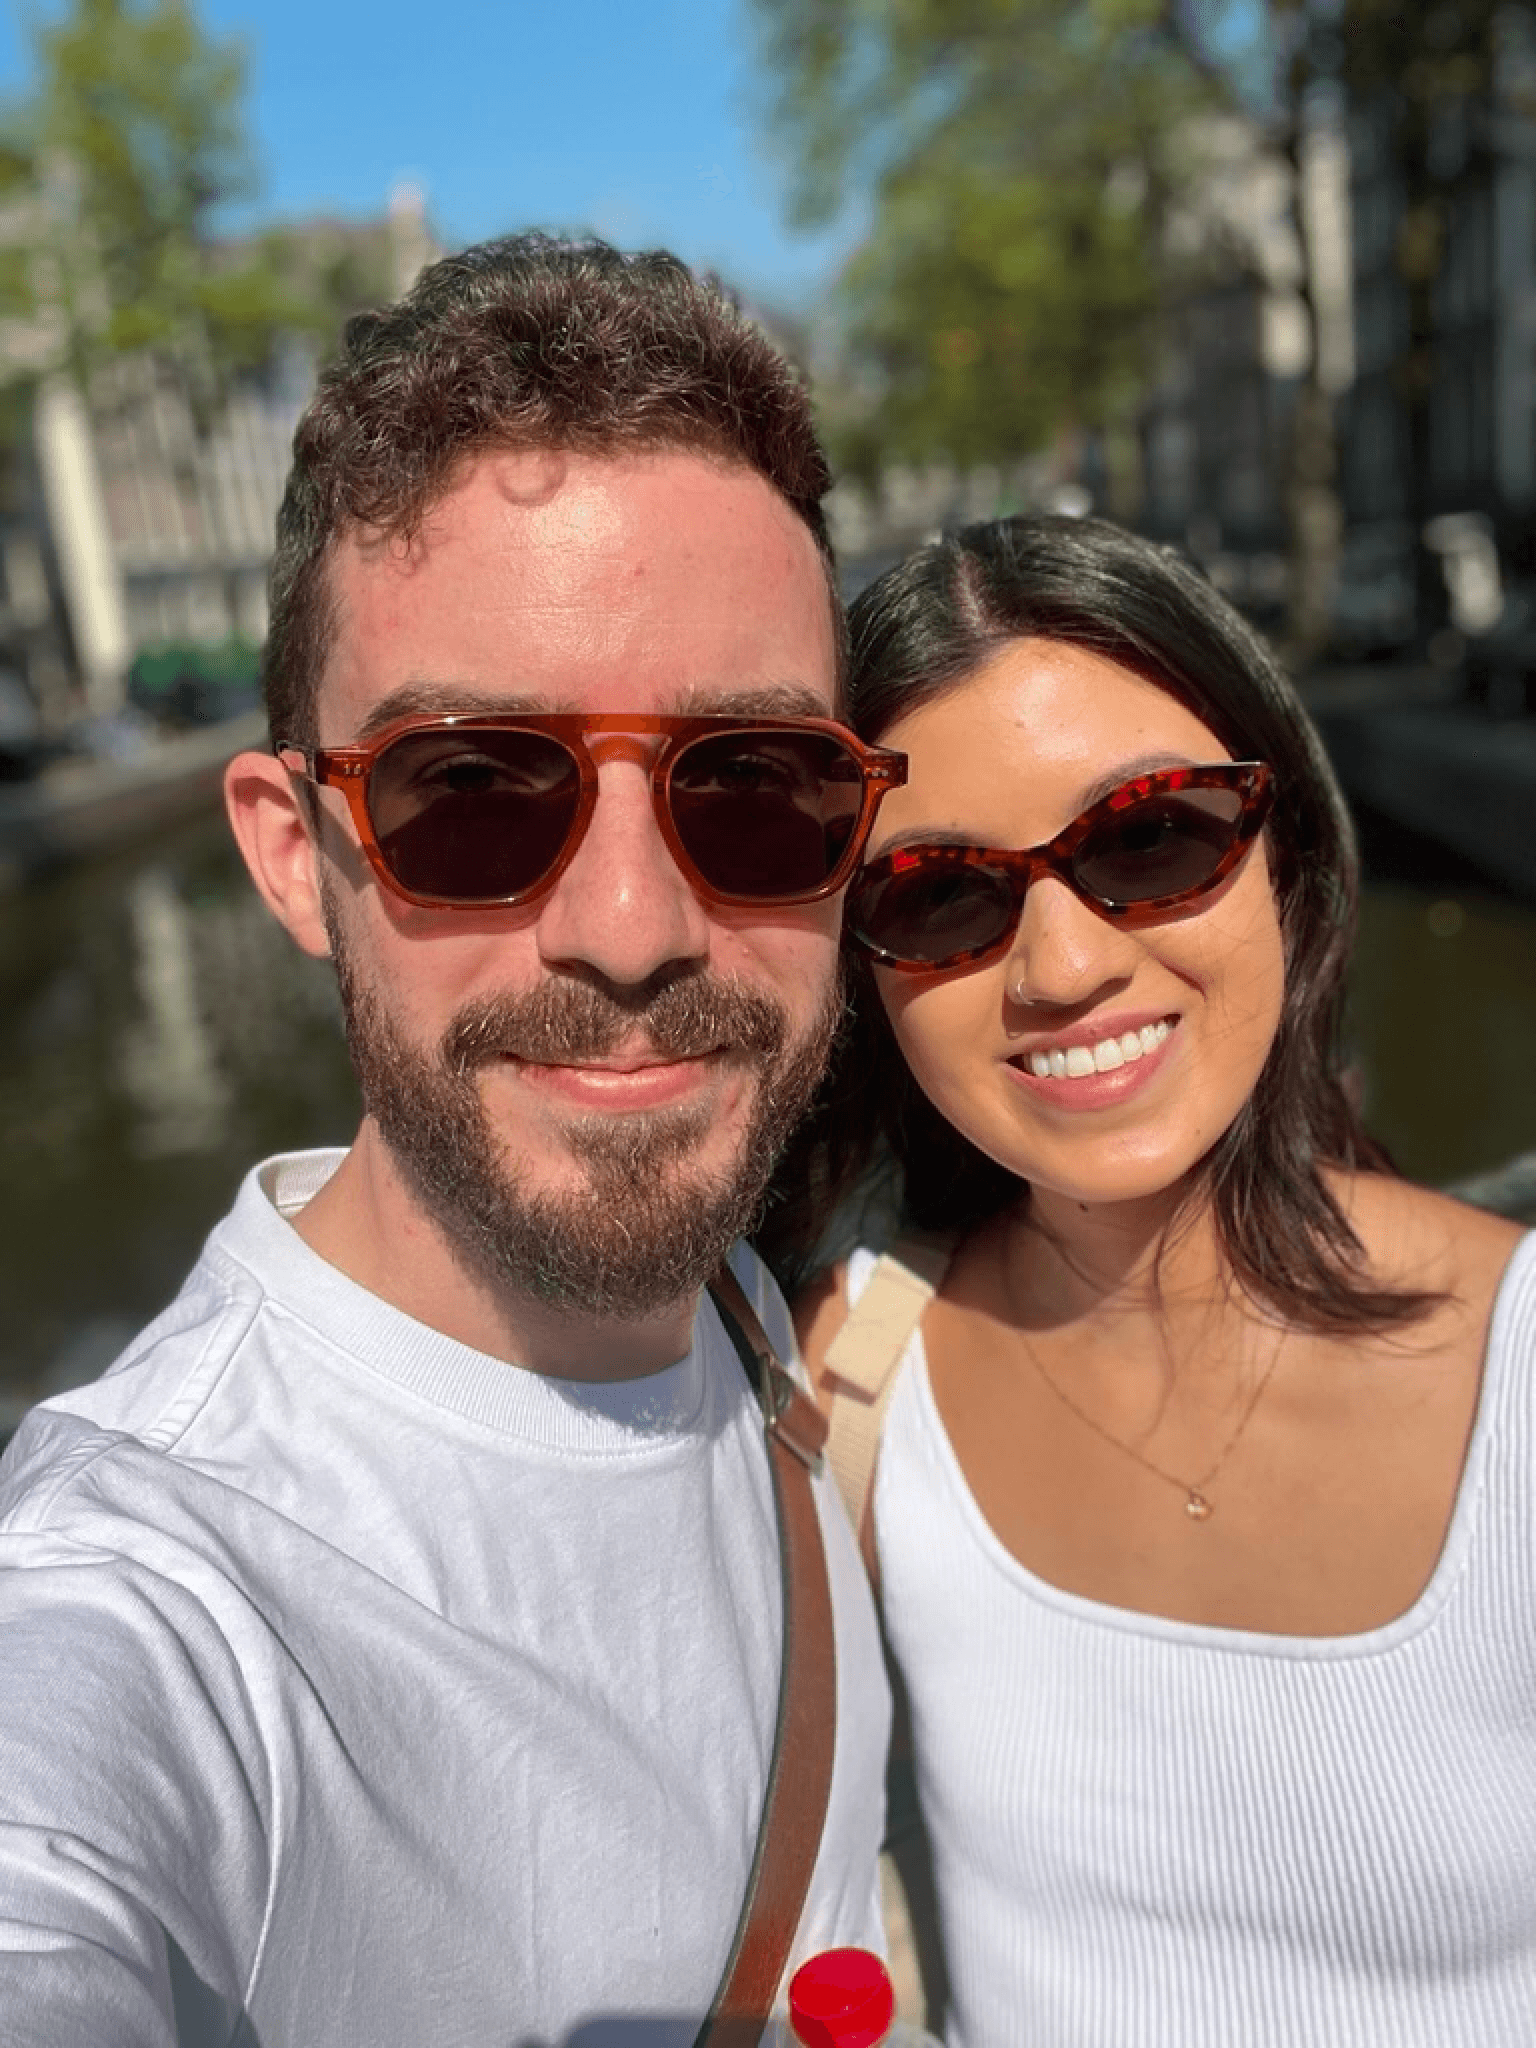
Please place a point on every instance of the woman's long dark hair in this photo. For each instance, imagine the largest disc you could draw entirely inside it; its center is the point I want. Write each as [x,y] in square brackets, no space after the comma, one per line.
[926,626]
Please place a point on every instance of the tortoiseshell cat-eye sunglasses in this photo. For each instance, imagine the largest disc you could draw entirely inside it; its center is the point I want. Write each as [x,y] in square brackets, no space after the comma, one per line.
[1157,843]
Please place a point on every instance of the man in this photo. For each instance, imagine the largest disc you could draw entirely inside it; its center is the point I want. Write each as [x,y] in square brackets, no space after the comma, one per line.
[392,1638]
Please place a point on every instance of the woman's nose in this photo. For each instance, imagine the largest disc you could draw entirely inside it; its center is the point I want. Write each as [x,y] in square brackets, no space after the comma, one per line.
[1063,953]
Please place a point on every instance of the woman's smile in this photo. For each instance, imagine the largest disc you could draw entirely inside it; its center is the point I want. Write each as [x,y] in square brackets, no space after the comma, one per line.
[1093,1057]
[1096,1064]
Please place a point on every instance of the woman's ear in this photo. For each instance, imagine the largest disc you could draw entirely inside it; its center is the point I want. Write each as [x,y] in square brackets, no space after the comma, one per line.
[272,828]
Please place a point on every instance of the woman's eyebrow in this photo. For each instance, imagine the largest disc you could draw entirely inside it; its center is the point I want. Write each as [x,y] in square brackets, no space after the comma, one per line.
[929,835]
[1127,771]
[1122,772]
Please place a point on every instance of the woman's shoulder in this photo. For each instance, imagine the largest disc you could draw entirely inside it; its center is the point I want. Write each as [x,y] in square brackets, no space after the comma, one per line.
[820,1309]
[1416,1238]
[910,1271]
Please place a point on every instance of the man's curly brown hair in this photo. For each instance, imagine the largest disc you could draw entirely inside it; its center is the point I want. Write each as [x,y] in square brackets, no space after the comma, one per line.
[523,342]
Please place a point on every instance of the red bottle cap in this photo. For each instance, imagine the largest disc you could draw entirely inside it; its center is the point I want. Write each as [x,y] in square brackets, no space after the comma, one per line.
[841,1999]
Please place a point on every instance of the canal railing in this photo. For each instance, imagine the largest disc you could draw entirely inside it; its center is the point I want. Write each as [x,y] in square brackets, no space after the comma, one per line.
[1508,1190]
[1406,742]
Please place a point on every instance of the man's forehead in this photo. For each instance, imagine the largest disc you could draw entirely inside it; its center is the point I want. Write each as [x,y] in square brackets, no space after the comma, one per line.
[665,580]
[568,500]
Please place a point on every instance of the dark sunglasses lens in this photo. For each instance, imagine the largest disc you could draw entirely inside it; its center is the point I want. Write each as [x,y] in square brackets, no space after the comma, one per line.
[766,815]
[472,815]
[937,910]
[1159,846]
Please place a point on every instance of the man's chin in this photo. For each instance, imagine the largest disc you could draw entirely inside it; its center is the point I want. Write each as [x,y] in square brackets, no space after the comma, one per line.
[694,1143]
[593,1246]
[606,1216]
[615,1218]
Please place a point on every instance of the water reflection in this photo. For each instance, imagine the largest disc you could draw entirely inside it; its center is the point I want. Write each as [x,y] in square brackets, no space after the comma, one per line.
[1444,1011]
[158,1034]
[169,1057]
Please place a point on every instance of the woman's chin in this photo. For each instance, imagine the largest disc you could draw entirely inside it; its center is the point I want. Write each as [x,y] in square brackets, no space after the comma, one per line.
[1155,1184]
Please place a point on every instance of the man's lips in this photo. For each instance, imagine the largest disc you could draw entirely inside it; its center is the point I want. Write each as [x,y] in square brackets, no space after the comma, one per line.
[635,1080]
[638,1062]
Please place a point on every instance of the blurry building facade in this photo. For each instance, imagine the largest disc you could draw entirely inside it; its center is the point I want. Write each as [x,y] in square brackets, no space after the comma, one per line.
[1471,486]
[138,521]
[1216,432]
[1217,425]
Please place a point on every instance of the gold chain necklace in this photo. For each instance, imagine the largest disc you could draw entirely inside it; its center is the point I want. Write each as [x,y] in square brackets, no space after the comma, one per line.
[1196,1501]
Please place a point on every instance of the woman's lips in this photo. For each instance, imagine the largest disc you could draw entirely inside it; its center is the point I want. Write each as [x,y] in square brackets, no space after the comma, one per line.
[1076,1060]
[1095,1065]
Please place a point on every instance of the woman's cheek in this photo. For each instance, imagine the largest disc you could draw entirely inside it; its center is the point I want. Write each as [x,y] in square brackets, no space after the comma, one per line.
[942,1034]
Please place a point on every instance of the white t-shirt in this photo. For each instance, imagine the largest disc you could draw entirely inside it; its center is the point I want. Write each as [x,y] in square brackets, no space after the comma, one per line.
[358,1690]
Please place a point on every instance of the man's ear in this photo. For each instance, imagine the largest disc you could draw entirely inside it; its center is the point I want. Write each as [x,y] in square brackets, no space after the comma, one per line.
[272,830]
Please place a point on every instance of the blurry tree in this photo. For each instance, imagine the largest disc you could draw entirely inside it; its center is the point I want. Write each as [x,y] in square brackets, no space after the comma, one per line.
[136,134]
[1025,158]
[134,139]
[118,272]
[1023,154]
[16,296]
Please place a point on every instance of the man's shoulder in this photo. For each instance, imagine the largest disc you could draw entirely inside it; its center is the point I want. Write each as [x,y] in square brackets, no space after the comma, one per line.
[162,1384]
[144,1399]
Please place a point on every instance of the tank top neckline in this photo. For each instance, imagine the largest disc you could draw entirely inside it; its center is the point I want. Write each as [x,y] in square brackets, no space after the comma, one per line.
[1493,1393]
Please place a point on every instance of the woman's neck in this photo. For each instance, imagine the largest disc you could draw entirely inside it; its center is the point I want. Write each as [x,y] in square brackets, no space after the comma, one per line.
[1076,1263]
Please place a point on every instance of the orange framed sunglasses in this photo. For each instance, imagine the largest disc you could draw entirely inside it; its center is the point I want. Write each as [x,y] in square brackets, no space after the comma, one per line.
[465,811]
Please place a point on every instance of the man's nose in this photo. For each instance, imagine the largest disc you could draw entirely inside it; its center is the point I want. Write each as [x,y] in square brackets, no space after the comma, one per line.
[623,906]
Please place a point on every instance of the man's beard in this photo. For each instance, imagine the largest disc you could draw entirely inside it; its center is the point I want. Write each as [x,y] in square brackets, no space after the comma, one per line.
[643,1232]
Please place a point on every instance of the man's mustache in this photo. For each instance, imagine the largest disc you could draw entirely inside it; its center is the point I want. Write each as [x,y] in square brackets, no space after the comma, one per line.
[567,1020]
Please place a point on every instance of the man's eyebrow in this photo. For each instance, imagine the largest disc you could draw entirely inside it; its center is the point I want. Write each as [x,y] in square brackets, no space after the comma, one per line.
[442,700]
[765,700]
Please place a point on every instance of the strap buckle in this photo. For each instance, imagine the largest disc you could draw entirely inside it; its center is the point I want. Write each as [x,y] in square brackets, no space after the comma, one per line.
[792,1416]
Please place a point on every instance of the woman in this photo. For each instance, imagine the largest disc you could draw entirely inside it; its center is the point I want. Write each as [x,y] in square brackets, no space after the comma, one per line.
[1204,1518]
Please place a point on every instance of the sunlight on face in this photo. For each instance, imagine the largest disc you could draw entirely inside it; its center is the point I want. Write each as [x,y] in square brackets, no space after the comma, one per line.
[1151,1039]
[587,1089]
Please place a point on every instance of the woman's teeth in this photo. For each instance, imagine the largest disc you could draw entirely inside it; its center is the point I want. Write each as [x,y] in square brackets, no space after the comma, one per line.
[1074,1061]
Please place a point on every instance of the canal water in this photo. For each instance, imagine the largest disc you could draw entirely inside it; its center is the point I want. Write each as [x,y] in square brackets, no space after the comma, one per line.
[158,1034]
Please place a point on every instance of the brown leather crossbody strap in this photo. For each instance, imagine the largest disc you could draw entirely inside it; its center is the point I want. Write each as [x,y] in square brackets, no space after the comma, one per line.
[800,1775]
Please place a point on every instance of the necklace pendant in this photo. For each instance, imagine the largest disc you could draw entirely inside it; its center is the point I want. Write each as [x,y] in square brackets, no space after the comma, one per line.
[1197,1507]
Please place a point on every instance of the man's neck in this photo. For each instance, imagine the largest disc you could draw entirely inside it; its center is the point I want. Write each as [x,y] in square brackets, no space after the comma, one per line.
[367,1223]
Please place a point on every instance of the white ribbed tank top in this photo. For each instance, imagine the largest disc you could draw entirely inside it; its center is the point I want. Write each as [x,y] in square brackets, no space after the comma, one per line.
[1153,1834]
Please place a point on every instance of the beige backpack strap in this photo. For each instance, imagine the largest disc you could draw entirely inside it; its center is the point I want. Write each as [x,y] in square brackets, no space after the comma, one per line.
[860,1365]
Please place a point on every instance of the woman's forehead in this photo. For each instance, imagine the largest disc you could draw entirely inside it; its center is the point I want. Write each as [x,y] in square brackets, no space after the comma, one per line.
[1056,709]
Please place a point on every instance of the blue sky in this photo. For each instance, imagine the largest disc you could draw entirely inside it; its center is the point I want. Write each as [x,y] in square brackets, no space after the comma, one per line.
[639,121]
